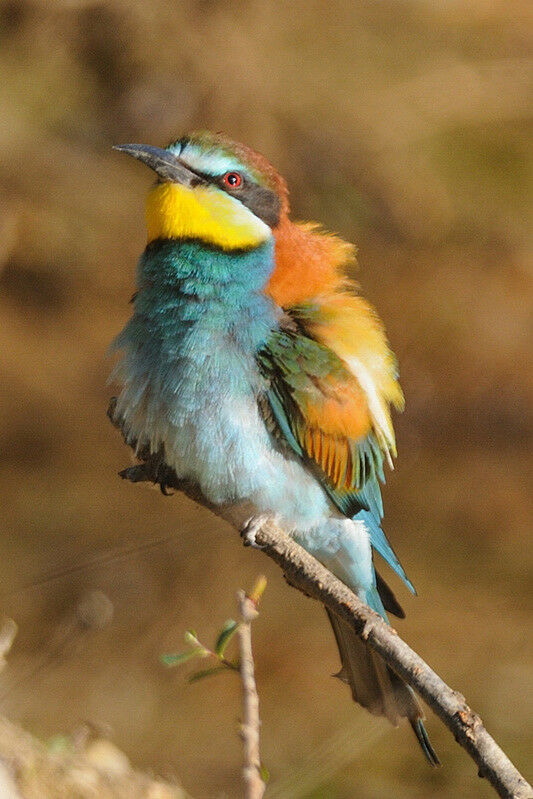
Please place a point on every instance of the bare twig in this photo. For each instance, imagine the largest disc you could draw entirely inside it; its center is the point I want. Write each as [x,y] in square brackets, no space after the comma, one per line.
[309,576]
[254,786]
[304,572]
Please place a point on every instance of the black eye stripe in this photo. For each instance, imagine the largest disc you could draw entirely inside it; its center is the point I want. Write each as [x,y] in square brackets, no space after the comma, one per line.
[262,201]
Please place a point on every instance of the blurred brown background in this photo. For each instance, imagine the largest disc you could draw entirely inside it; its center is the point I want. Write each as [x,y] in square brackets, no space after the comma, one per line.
[404,126]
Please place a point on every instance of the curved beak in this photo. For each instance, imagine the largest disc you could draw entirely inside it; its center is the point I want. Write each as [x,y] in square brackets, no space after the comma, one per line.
[166,165]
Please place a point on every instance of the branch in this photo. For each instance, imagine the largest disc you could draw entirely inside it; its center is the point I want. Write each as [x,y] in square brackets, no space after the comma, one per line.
[308,575]
[254,787]
[304,572]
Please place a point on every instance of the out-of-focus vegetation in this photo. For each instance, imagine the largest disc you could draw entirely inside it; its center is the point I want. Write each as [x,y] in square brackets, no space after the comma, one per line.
[85,765]
[401,124]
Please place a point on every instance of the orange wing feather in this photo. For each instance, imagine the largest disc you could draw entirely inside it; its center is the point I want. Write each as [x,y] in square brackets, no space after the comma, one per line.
[334,413]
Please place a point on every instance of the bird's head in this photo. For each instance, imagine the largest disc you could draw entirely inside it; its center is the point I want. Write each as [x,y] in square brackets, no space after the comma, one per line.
[212,190]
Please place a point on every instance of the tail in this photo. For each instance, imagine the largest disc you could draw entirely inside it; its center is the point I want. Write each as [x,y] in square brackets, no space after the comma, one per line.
[373,683]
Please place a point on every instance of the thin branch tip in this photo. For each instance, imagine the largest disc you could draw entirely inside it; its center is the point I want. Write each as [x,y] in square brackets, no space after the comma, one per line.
[254,785]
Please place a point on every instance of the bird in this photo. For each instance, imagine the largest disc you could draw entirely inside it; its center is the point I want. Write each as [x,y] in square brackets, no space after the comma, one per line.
[253,369]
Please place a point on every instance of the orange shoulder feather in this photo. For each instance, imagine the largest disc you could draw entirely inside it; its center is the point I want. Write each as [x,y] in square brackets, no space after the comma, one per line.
[309,263]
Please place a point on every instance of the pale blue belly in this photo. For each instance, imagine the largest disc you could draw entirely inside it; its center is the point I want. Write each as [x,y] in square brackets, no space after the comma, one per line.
[208,421]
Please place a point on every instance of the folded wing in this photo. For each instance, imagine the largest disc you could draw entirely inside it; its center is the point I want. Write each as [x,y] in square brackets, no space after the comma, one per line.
[337,422]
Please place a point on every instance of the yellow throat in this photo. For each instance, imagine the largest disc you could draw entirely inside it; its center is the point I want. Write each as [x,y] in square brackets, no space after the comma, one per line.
[205,213]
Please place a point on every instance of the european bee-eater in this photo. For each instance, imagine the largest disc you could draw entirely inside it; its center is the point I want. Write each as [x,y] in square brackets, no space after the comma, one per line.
[257,372]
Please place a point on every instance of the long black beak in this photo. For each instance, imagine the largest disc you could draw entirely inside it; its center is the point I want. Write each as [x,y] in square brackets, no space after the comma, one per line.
[166,165]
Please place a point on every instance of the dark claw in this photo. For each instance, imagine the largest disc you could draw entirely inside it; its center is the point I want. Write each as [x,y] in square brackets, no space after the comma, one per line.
[165,477]
[163,487]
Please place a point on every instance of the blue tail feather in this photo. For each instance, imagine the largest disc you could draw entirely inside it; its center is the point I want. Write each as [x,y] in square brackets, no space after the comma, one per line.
[420,731]
[379,541]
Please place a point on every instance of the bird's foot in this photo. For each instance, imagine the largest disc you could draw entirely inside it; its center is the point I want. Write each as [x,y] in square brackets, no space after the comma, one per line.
[250,529]
[152,470]
[135,474]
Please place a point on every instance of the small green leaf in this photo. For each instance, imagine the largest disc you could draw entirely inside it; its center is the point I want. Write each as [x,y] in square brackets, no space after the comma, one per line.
[226,634]
[192,638]
[264,773]
[182,657]
[200,675]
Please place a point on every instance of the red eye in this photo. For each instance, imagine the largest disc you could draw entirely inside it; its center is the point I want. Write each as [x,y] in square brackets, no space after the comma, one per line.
[232,180]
